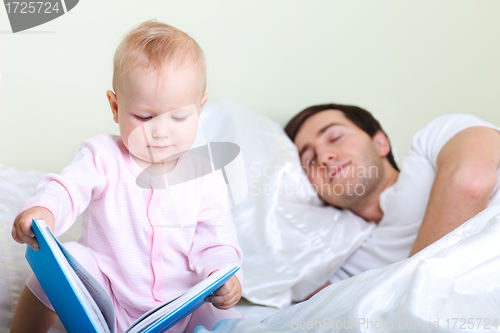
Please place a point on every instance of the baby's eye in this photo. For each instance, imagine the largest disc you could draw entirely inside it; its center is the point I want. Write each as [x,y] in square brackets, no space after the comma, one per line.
[179,119]
[144,118]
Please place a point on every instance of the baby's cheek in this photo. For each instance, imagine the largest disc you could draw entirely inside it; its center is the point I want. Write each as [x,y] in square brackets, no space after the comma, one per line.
[187,136]
[136,140]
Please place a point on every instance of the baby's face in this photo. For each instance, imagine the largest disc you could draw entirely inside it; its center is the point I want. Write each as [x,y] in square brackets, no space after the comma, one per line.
[158,119]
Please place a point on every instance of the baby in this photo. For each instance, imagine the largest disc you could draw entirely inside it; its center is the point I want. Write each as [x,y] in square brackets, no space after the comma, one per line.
[145,244]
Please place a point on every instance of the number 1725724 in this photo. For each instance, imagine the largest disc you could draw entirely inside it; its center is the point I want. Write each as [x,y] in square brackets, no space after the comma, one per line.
[32,7]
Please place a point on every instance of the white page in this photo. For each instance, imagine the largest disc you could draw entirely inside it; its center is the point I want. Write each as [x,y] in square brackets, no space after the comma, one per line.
[80,289]
[162,310]
[96,291]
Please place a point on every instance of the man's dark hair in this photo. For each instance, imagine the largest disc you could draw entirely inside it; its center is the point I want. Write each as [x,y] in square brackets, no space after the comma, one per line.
[360,117]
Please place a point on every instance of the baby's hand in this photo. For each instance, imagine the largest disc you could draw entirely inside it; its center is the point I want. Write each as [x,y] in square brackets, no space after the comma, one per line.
[228,295]
[21,230]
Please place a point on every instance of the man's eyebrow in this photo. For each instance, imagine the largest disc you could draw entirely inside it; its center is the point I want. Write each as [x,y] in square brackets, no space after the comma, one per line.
[323,130]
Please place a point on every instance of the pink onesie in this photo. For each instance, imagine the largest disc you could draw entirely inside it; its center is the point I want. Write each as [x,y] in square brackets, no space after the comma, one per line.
[145,246]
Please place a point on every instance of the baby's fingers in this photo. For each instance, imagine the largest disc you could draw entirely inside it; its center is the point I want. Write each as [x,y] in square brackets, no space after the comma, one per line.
[25,226]
[14,235]
[226,288]
[224,302]
[24,234]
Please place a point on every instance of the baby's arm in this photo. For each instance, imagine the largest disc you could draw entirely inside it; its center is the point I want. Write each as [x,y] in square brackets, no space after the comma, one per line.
[59,199]
[215,244]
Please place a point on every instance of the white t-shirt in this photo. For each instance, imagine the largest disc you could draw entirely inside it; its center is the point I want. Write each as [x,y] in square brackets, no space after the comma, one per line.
[404,203]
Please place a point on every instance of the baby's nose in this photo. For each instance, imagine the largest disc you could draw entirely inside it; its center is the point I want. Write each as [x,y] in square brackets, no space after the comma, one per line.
[160,127]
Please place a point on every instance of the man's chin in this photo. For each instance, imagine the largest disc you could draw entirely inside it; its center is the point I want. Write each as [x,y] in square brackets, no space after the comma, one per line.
[341,196]
[332,204]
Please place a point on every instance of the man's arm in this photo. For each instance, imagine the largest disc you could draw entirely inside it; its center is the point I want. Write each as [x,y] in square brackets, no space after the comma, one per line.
[466,174]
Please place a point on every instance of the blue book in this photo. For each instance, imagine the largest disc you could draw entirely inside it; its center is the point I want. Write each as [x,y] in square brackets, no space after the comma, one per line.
[84,306]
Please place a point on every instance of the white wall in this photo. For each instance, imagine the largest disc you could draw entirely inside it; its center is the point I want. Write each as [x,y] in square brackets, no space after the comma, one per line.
[406,61]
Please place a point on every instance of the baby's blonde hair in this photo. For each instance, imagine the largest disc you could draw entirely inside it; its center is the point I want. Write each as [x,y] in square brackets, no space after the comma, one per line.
[154,44]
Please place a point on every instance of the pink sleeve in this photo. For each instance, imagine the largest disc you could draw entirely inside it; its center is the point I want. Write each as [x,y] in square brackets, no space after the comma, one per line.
[68,195]
[215,242]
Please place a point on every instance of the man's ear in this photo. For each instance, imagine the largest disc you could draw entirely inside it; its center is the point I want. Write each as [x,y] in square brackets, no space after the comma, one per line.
[204,99]
[113,104]
[382,143]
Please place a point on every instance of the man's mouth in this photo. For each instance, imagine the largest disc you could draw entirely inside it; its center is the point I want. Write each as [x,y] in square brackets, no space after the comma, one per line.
[337,169]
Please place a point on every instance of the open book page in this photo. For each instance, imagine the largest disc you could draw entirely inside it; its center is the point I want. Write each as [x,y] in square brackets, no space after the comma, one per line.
[97,292]
[83,294]
[168,314]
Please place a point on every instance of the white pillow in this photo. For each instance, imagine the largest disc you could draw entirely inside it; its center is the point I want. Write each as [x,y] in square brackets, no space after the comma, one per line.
[292,244]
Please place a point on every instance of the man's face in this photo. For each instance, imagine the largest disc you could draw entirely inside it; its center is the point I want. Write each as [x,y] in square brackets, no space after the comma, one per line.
[343,162]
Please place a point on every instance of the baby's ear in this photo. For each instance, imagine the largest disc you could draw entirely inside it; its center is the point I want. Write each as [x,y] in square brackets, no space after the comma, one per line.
[204,99]
[113,104]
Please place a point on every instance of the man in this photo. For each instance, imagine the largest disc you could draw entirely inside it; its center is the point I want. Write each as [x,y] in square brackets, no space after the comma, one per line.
[449,176]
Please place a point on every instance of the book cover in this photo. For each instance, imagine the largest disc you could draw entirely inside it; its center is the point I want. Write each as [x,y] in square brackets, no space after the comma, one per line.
[84,306]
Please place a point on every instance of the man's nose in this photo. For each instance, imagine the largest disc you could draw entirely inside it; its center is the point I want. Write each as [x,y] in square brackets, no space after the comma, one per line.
[326,157]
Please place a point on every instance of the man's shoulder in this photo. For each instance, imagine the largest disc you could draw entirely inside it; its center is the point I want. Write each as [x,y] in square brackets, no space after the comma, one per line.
[429,141]
[454,122]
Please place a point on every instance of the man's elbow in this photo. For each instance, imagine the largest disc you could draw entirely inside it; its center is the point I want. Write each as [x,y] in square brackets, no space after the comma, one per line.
[475,184]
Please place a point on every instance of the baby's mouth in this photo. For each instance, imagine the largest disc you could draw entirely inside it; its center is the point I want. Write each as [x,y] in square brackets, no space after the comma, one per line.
[158,147]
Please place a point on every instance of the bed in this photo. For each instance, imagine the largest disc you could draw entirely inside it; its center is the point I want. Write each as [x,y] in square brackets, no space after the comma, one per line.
[286,257]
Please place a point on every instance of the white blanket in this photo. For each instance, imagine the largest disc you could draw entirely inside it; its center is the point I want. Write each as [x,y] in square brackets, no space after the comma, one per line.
[452,285]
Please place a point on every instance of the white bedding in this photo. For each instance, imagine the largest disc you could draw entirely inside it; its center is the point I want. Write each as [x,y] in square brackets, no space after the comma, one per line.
[292,243]
[15,186]
[456,277]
